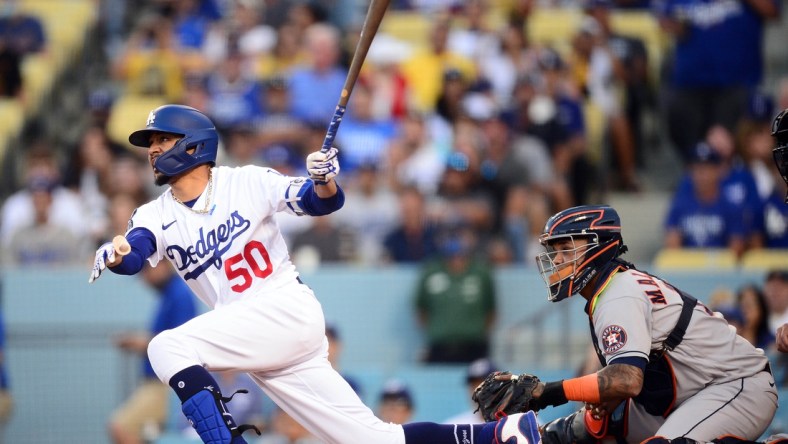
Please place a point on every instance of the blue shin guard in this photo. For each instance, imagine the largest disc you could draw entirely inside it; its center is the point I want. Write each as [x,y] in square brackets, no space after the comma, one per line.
[208,415]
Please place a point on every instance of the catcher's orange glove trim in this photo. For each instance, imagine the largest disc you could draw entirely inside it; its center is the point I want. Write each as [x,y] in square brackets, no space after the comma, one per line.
[584,388]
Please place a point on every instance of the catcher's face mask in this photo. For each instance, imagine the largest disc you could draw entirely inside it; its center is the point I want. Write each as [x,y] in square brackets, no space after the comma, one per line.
[562,261]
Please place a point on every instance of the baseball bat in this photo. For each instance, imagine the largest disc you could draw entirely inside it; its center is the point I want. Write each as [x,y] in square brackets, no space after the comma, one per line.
[377,8]
[121,245]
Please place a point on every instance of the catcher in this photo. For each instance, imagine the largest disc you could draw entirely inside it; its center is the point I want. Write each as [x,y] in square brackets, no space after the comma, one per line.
[671,369]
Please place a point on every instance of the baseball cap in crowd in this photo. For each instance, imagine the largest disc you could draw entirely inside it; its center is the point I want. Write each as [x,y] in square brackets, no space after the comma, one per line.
[479,369]
[777,274]
[394,390]
[458,161]
[705,153]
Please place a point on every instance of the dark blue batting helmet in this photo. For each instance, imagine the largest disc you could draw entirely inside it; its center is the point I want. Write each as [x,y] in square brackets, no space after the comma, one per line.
[600,226]
[196,129]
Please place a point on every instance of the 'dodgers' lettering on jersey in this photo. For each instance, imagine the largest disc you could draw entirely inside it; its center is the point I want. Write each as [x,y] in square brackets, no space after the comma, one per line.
[212,244]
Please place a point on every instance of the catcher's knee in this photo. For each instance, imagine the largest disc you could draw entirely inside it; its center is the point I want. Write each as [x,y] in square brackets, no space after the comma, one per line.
[580,428]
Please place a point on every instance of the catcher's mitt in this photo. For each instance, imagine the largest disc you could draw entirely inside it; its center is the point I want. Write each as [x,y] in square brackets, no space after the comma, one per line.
[503,393]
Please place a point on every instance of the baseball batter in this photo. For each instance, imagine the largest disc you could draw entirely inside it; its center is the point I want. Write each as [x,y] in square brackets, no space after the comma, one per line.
[216,226]
[671,368]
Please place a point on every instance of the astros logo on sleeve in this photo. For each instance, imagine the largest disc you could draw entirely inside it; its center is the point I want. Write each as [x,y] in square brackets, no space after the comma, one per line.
[613,339]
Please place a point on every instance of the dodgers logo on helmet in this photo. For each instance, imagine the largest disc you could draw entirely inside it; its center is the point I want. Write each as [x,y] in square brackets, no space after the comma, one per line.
[199,141]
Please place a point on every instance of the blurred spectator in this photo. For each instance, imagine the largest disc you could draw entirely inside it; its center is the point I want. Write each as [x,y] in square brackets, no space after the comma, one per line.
[120,208]
[370,212]
[391,94]
[473,39]
[129,176]
[474,375]
[241,146]
[737,186]
[277,127]
[414,239]
[450,105]
[518,173]
[328,241]
[335,353]
[425,69]
[6,399]
[191,23]
[717,60]
[415,159]
[44,241]
[396,402]
[90,175]
[546,110]
[775,290]
[364,137]
[150,64]
[234,97]
[594,67]
[244,25]
[147,407]
[503,66]
[704,218]
[630,69]
[20,35]
[286,55]
[751,303]
[18,210]
[195,90]
[460,199]
[315,87]
[455,300]
[754,142]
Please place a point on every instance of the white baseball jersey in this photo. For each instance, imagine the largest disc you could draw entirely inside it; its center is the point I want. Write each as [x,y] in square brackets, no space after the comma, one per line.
[234,251]
[265,322]
[721,383]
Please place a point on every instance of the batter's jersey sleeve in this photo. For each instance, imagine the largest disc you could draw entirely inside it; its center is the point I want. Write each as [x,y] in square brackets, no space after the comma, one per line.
[149,216]
[277,192]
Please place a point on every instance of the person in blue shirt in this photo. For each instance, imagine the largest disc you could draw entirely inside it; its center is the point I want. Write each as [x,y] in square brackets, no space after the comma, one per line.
[148,404]
[737,186]
[704,218]
[314,88]
[717,62]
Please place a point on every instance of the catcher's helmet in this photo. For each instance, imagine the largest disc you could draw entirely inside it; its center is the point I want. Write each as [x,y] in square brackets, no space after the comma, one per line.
[600,225]
[780,153]
[197,131]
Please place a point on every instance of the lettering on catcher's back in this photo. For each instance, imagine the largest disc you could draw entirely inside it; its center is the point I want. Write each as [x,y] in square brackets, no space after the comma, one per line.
[212,244]
[654,294]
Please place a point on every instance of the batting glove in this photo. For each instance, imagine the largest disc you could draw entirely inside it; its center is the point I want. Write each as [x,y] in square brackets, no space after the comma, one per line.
[104,255]
[321,166]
